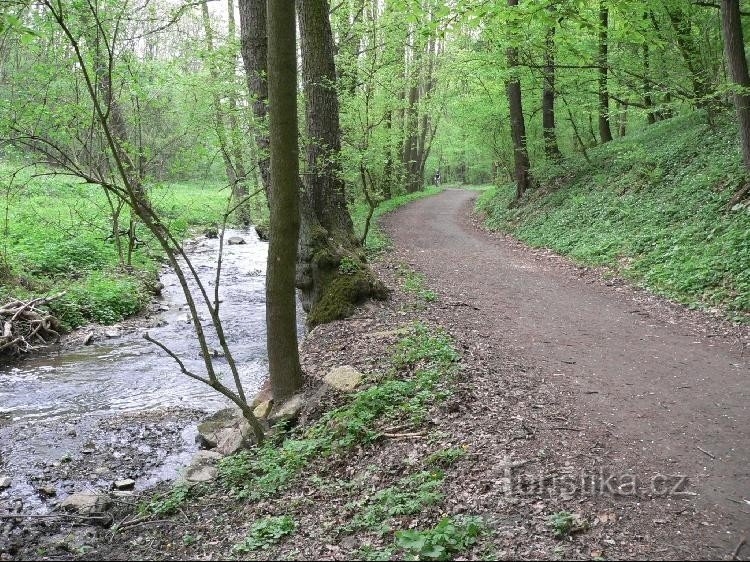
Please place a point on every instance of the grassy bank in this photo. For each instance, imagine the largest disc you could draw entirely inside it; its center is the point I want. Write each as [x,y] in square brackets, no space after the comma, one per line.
[56,235]
[653,206]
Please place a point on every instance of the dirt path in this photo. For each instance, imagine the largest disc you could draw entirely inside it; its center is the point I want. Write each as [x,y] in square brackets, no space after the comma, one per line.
[673,399]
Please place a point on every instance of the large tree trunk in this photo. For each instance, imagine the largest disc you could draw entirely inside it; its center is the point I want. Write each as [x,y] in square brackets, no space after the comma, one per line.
[551,150]
[605,132]
[281,309]
[517,125]
[254,48]
[327,291]
[734,51]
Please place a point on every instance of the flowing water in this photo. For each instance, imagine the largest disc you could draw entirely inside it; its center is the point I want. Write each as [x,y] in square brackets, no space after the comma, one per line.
[52,402]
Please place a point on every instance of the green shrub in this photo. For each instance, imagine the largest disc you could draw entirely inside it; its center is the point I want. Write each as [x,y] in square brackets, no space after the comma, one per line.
[266,533]
[444,541]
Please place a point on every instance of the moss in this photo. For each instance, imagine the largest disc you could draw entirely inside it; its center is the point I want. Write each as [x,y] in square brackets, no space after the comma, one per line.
[343,293]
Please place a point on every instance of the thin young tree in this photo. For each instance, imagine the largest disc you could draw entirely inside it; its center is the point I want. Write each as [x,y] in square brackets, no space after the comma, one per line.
[551,149]
[605,133]
[281,310]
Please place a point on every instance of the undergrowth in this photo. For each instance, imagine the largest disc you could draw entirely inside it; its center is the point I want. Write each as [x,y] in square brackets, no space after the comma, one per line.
[56,234]
[653,206]
[421,361]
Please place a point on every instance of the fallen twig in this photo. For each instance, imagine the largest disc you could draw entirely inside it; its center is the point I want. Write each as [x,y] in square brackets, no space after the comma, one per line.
[706,453]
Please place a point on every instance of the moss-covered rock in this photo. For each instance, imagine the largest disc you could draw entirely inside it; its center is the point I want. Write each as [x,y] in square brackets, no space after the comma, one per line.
[343,293]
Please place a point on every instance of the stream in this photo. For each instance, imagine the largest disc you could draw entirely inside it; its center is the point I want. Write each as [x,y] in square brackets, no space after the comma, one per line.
[73,419]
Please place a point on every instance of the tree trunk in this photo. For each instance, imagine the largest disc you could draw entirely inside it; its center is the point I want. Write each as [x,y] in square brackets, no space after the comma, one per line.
[604,131]
[230,154]
[734,51]
[411,133]
[240,190]
[327,235]
[551,149]
[254,48]
[281,309]
[648,99]
[691,55]
[517,124]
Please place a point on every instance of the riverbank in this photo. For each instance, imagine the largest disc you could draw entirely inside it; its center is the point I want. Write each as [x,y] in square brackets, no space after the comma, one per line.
[57,235]
[77,417]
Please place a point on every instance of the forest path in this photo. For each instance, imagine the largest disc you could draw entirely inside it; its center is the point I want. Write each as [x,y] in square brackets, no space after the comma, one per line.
[675,399]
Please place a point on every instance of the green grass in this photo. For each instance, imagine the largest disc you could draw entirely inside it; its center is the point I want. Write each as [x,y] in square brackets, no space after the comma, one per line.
[410,495]
[377,241]
[430,358]
[56,235]
[652,206]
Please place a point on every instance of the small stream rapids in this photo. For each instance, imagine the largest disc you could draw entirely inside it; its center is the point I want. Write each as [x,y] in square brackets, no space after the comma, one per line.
[65,404]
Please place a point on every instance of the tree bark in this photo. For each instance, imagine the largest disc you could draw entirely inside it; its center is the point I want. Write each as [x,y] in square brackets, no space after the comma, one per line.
[551,149]
[517,124]
[605,133]
[254,49]
[281,309]
[327,235]
[734,51]
[648,99]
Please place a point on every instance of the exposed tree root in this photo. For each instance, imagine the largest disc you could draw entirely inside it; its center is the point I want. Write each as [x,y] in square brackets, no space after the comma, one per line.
[26,326]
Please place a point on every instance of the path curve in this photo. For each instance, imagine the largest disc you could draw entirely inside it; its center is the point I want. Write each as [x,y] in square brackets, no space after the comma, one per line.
[672,398]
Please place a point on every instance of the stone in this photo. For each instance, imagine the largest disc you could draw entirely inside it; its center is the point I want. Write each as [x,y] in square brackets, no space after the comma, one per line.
[262,231]
[125,484]
[86,503]
[262,409]
[5,482]
[288,410]
[233,439]
[227,431]
[202,467]
[209,428]
[113,332]
[235,240]
[47,491]
[344,379]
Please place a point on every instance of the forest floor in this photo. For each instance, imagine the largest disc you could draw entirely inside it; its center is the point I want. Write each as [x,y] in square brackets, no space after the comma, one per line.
[572,417]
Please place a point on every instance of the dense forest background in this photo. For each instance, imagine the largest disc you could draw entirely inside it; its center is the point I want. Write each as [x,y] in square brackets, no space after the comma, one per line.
[484,92]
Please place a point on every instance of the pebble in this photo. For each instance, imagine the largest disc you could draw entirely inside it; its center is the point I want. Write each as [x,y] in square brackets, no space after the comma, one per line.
[5,482]
[126,484]
[47,490]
